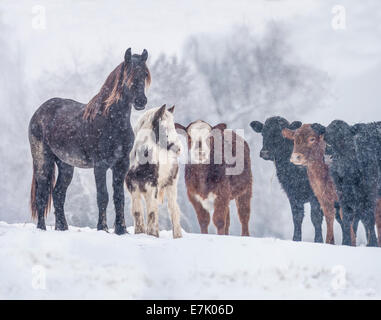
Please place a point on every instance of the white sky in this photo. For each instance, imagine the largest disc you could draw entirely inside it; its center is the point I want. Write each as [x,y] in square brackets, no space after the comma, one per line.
[90,29]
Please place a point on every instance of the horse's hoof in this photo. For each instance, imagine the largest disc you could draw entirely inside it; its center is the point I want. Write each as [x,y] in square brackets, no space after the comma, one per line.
[61,227]
[119,230]
[153,233]
[139,230]
[102,227]
[177,235]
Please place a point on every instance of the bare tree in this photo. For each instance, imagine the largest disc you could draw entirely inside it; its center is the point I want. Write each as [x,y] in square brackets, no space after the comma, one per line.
[253,77]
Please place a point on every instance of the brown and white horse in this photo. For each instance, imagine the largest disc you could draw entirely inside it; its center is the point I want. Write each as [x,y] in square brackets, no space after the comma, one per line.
[154,170]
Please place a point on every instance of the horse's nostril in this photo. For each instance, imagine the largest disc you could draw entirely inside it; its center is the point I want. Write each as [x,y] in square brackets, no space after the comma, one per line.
[141,101]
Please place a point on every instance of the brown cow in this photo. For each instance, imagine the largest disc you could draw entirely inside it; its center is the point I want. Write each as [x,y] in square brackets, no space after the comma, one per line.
[213,179]
[309,149]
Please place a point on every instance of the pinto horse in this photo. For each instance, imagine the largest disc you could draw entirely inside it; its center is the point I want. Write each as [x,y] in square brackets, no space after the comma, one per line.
[95,135]
[154,170]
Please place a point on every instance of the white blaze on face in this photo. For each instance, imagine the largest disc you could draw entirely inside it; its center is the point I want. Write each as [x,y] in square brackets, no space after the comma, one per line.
[168,138]
[199,133]
[147,149]
[172,136]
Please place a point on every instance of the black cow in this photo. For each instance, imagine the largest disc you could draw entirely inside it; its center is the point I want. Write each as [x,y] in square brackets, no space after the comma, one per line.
[292,178]
[355,168]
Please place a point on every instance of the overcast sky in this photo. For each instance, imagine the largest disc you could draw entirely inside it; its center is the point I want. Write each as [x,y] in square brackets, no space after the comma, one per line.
[88,30]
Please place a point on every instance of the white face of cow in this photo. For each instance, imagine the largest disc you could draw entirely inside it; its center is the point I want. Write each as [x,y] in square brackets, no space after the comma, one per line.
[199,133]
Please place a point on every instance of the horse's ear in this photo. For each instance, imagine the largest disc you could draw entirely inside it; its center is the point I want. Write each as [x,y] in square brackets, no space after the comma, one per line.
[127,56]
[318,128]
[144,55]
[256,126]
[220,126]
[159,113]
[171,109]
[295,125]
[288,134]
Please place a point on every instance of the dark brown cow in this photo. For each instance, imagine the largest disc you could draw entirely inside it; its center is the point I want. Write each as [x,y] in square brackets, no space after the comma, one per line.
[216,175]
[309,149]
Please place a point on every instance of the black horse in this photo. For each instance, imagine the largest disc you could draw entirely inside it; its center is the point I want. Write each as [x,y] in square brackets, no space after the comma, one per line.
[95,135]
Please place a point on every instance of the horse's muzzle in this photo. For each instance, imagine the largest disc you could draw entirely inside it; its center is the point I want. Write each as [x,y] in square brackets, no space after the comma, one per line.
[140,103]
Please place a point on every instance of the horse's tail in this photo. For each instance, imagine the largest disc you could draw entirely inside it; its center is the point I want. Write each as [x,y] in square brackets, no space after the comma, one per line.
[33,194]
[33,206]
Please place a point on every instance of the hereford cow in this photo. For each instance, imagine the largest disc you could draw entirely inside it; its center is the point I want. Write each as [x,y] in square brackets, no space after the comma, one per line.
[356,156]
[292,178]
[219,171]
[309,150]
[154,170]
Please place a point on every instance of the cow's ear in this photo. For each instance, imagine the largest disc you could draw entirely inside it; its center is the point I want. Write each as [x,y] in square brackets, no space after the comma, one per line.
[179,126]
[171,109]
[220,126]
[256,126]
[295,125]
[180,129]
[288,134]
[318,128]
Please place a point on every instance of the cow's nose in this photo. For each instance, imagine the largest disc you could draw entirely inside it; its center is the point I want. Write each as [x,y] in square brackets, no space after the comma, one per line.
[296,158]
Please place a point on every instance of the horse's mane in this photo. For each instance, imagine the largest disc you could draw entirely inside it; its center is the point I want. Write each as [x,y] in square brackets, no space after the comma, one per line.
[111,91]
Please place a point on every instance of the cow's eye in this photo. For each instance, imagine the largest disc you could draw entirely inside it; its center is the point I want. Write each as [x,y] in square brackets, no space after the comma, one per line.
[311,140]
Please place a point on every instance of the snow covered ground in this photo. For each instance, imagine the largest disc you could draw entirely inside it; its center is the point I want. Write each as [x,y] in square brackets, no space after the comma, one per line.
[83,263]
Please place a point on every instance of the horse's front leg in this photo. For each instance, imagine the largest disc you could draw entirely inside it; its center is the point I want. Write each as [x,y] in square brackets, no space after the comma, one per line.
[174,209]
[150,197]
[118,175]
[102,196]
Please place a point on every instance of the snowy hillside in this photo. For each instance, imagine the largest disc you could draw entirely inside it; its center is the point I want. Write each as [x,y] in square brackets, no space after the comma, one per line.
[84,263]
